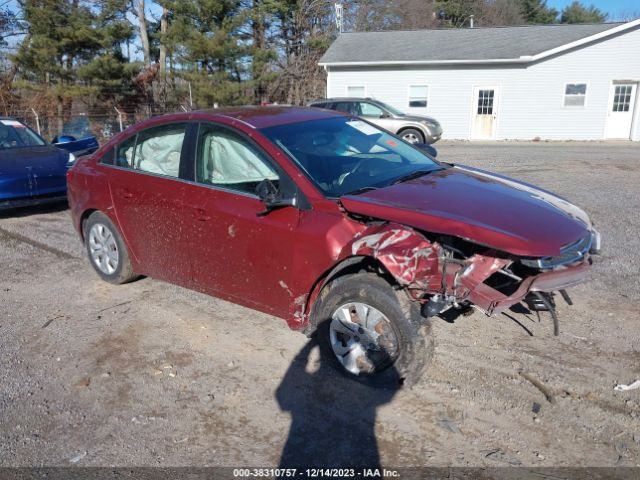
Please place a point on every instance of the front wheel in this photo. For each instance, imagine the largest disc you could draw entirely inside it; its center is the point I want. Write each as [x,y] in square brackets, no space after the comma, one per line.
[412,135]
[371,332]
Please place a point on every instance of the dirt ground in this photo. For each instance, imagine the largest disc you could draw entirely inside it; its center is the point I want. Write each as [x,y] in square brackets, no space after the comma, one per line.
[149,374]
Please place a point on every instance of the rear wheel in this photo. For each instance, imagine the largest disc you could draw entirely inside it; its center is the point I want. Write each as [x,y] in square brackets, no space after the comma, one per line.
[412,135]
[371,332]
[106,250]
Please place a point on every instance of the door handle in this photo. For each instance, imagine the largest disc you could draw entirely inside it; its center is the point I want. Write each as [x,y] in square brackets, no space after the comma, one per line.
[126,193]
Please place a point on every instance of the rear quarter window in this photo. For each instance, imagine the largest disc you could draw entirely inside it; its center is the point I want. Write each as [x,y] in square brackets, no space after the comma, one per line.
[107,158]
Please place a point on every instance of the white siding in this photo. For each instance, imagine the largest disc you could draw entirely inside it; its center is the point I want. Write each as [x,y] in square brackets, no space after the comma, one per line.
[530,98]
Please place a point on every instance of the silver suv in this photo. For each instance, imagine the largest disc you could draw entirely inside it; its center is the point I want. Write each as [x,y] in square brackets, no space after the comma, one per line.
[412,128]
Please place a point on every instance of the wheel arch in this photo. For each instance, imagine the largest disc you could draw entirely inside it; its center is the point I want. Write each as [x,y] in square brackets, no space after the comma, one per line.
[347,266]
[417,127]
[83,219]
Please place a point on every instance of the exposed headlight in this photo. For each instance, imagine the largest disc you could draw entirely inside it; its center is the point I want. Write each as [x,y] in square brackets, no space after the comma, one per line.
[71,160]
[428,123]
[569,254]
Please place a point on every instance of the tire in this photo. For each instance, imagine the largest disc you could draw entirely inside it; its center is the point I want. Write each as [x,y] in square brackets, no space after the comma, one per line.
[106,251]
[412,135]
[404,344]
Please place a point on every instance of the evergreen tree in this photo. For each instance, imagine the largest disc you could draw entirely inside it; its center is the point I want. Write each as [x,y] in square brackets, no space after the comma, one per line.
[578,13]
[211,48]
[536,11]
[74,49]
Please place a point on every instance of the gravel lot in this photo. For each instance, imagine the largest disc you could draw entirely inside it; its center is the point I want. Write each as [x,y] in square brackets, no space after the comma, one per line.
[148,374]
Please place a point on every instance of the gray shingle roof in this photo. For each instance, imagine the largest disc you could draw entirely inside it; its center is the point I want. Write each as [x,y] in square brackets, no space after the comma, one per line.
[456,44]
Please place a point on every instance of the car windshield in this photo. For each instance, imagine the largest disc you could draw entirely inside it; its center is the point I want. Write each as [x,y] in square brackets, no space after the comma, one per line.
[347,155]
[391,109]
[14,134]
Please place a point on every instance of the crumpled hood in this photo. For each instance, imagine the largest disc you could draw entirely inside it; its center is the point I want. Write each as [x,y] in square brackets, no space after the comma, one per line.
[482,207]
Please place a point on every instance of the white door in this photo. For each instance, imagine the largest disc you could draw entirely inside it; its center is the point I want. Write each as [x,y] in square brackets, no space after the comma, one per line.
[620,112]
[485,113]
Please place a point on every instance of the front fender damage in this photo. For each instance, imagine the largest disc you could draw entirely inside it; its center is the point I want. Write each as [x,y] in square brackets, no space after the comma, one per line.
[429,270]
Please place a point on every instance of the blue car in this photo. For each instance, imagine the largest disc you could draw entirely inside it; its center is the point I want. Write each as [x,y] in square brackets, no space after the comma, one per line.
[33,171]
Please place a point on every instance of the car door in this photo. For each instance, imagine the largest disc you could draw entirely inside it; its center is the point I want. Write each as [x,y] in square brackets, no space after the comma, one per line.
[147,193]
[235,252]
[49,170]
[29,166]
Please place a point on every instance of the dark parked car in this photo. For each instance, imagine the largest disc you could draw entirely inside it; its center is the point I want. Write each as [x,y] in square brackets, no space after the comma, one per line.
[326,221]
[31,170]
[411,127]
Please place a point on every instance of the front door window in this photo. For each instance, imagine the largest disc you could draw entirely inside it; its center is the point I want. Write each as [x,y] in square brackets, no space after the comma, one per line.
[370,110]
[622,98]
[485,102]
[228,160]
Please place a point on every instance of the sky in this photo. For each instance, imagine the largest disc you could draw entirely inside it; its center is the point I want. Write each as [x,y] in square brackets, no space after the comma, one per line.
[617,9]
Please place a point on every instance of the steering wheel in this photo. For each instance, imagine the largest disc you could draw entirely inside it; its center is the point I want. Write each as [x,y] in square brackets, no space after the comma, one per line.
[353,170]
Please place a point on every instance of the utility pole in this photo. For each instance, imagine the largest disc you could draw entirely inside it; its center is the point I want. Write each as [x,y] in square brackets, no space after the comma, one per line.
[339,16]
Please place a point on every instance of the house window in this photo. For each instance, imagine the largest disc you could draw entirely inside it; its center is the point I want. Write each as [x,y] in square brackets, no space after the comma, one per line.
[575,94]
[355,92]
[418,96]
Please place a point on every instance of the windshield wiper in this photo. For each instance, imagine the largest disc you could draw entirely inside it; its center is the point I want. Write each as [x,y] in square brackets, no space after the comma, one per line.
[360,190]
[412,175]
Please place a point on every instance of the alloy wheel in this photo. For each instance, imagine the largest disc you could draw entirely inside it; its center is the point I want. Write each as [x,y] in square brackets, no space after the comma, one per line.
[103,248]
[362,338]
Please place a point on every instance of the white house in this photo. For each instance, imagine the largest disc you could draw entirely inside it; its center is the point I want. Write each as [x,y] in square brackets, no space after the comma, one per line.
[562,82]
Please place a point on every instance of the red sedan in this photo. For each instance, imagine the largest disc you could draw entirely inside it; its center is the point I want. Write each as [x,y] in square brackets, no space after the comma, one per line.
[326,221]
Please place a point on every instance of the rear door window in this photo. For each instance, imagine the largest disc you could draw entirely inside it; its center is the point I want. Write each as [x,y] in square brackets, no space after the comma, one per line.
[346,107]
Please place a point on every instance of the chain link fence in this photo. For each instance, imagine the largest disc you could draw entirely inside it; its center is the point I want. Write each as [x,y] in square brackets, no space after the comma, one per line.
[101,124]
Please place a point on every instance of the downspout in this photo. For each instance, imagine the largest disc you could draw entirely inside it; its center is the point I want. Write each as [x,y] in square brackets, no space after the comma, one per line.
[326,92]
[635,121]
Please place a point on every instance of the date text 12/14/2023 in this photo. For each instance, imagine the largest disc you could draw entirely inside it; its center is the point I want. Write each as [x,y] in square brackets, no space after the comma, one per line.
[315,473]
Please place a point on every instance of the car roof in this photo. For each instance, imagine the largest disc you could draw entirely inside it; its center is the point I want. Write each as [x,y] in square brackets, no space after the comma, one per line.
[270,116]
[344,99]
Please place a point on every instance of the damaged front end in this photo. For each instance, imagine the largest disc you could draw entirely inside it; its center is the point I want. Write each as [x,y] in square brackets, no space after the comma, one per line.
[444,272]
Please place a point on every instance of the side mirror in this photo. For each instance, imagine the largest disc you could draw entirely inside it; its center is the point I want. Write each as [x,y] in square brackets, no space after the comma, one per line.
[271,196]
[426,148]
[63,139]
[385,115]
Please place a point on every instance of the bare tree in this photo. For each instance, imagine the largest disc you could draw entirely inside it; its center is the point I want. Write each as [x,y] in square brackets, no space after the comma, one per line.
[162,60]
[498,13]
[138,6]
